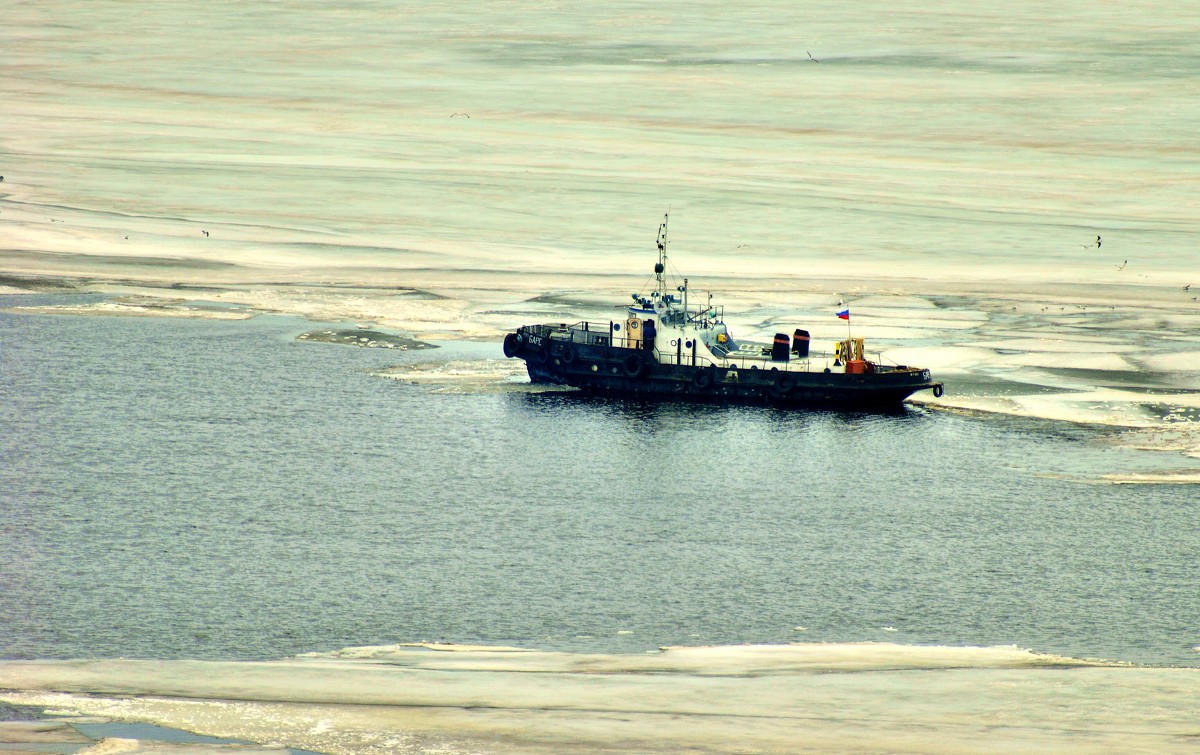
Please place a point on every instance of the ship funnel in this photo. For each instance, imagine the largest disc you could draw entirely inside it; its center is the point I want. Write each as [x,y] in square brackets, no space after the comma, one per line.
[780,351]
[800,343]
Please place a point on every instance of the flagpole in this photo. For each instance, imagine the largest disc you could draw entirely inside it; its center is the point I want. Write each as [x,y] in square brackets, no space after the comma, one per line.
[849,336]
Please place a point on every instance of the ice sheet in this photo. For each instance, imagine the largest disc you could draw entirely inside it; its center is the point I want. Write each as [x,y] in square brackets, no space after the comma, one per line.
[860,697]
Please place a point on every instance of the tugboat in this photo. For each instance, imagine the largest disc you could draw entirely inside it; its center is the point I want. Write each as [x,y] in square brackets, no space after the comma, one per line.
[666,349]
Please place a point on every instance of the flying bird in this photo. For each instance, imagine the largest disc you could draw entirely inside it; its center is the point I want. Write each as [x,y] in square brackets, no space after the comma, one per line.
[810,57]
[1122,265]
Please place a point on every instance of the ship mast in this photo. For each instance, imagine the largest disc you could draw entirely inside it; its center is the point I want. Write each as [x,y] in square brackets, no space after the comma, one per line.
[661,267]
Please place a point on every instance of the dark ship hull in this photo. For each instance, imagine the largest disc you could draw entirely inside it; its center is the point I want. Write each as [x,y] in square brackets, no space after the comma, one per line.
[585,357]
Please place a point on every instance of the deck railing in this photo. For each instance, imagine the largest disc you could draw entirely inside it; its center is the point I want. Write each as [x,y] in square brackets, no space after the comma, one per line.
[608,334]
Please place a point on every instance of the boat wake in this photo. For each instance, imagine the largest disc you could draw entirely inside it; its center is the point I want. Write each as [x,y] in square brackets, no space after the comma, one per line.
[464,376]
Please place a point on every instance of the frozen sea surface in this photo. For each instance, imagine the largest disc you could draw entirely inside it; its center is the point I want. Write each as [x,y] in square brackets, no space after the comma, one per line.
[946,141]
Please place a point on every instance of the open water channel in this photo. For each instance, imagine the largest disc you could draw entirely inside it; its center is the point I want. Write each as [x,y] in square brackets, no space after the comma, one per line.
[213,489]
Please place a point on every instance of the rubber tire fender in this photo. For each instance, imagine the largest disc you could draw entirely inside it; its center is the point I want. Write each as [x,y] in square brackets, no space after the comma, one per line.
[543,354]
[634,365]
[511,345]
[702,380]
[568,354]
[938,391]
[784,383]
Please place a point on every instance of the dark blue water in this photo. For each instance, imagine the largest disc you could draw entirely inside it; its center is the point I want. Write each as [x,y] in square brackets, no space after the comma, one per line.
[203,489]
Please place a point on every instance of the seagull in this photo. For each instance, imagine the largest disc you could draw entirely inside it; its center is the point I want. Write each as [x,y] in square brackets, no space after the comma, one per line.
[1098,242]
[1122,265]
[810,57]
[459,115]
[205,233]
[1185,288]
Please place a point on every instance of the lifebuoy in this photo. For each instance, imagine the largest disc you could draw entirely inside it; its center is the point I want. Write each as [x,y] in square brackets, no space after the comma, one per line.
[937,391]
[703,379]
[511,345]
[568,354]
[634,365]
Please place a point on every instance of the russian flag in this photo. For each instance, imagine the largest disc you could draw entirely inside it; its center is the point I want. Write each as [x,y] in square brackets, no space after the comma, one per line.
[844,313]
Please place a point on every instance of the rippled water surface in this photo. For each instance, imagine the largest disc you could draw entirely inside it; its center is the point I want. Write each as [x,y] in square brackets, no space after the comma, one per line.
[200,489]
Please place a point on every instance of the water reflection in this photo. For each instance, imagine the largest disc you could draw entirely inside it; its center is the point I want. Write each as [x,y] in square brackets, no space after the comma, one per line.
[676,411]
